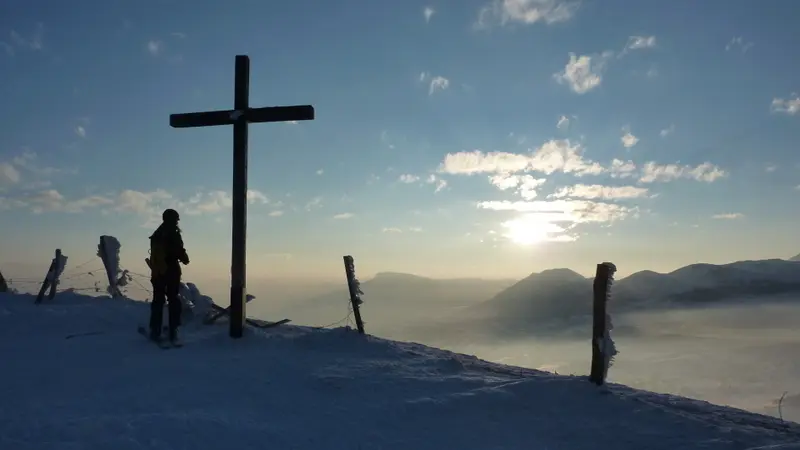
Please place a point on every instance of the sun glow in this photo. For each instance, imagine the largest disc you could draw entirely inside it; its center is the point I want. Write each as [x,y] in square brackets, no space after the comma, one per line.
[532,229]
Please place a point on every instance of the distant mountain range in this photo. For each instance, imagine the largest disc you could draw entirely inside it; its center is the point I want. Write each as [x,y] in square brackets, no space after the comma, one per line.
[546,302]
[398,299]
[560,297]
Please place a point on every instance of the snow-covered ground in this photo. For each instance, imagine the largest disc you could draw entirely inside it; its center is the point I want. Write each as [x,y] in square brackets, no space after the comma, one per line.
[76,375]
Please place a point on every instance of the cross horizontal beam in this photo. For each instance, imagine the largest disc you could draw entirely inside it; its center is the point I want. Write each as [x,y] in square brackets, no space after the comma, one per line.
[251,115]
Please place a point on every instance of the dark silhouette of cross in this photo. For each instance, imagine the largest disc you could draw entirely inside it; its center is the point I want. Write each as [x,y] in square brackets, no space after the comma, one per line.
[240,116]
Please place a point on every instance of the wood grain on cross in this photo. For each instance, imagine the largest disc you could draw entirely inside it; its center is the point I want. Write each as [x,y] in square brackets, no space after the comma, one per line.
[240,116]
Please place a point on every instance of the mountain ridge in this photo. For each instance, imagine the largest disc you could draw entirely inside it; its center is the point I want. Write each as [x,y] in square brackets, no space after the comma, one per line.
[553,301]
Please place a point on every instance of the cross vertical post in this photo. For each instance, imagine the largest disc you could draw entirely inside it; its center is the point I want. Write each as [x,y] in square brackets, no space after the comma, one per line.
[241,103]
[241,115]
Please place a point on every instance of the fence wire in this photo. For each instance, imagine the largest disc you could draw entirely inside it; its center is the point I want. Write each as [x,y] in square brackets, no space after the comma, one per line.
[73,280]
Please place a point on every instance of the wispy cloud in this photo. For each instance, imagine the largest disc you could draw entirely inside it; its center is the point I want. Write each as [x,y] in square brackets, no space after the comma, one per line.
[628,139]
[9,174]
[597,191]
[154,47]
[637,43]
[29,162]
[728,216]
[552,156]
[314,203]
[435,83]
[667,131]
[146,205]
[566,157]
[705,172]
[622,169]
[343,216]
[738,42]
[80,131]
[428,12]
[440,183]
[563,123]
[18,41]
[582,73]
[789,105]
[565,211]
[408,178]
[525,185]
[526,12]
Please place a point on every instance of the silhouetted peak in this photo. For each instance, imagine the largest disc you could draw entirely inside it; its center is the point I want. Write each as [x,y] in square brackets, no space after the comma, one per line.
[557,275]
[645,275]
[397,276]
[795,258]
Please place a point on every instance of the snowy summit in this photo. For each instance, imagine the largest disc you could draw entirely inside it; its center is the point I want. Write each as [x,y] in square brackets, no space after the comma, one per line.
[76,375]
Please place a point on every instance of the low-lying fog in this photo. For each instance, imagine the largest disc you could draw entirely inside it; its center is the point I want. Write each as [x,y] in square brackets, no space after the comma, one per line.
[744,355]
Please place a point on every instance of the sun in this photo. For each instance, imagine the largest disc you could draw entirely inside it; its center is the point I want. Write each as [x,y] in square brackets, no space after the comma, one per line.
[531,230]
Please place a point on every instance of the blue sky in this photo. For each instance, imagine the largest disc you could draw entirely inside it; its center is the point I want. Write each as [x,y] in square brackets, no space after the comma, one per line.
[452,138]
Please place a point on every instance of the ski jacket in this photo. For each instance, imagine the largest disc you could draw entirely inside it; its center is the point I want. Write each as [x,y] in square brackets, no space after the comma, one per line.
[167,251]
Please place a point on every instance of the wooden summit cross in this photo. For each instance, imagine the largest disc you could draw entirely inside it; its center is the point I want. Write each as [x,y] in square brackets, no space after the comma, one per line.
[240,116]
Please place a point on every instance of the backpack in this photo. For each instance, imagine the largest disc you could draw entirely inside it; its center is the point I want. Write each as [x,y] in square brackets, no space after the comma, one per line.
[158,255]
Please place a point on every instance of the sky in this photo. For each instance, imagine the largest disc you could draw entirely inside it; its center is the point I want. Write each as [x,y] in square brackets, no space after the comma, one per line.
[469,138]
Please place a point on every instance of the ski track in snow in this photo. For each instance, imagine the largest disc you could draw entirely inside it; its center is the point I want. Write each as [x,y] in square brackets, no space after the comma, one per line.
[293,387]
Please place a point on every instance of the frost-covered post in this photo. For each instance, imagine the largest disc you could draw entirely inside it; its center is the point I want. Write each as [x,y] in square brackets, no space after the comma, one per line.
[60,264]
[603,348]
[108,251]
[57,266]
[355,290]
[3,284]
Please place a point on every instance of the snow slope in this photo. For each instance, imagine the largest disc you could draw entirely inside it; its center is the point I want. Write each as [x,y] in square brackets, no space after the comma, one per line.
[75,375]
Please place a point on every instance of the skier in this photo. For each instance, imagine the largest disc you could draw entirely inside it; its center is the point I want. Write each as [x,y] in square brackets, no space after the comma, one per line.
[166,254]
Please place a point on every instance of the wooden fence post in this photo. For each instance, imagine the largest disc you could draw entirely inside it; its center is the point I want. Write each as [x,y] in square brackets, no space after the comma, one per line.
[51,279]
[353,285]
[602,346]
[113,290]
[56,273]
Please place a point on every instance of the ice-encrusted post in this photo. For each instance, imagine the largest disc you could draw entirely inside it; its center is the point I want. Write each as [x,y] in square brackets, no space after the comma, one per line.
[354,286]
[57,266]
[603,348]
[55,277]
[108,251]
